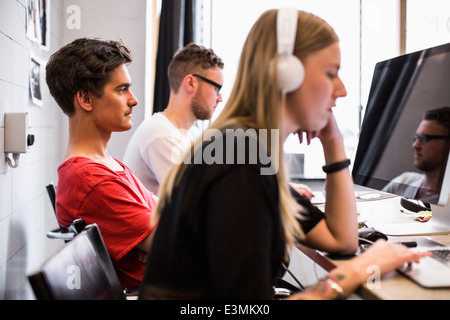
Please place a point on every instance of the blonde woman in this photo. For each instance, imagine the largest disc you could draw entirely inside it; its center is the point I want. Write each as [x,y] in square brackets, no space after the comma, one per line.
[227,214]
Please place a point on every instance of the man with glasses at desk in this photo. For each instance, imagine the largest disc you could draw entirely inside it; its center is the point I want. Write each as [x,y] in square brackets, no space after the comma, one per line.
[195,79]
[431,144]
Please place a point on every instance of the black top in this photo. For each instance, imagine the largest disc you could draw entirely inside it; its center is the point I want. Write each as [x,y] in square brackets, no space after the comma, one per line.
[220,236]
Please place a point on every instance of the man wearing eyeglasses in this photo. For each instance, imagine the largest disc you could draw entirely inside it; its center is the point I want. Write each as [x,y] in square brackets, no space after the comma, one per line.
[431,144]
[195,79]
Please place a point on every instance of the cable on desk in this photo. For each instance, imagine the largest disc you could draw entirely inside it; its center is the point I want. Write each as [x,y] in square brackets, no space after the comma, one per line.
[293,276]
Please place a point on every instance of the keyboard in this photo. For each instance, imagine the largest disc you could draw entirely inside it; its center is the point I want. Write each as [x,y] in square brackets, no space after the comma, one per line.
[432,271]
[442,255]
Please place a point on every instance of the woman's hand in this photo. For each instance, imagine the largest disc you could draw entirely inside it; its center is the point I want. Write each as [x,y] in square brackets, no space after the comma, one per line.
[382,255]
[309,136]
[388,256]
[329,133]
[302,189]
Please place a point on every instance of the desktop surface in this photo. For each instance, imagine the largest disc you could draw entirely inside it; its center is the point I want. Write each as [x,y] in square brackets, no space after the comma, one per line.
[384,211]
[377,209]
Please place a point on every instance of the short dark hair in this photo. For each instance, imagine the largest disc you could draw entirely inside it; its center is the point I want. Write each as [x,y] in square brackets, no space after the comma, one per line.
[441,115]
[191,59]
[85,64]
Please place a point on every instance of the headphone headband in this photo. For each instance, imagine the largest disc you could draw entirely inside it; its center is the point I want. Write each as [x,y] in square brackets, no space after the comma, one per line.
[290,69]
[287,22]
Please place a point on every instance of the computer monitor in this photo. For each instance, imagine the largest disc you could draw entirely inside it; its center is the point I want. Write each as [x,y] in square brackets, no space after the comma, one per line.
[403,90]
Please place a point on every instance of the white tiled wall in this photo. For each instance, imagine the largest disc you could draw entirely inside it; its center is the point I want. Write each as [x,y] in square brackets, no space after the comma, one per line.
[25,210]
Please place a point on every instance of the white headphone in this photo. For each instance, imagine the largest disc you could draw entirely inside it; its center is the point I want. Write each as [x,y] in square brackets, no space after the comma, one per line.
[290,70]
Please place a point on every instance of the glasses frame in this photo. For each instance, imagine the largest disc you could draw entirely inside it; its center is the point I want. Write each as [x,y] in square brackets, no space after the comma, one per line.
[425,138]
[215,84]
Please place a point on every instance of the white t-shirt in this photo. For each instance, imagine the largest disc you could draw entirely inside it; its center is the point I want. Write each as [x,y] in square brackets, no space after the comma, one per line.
[155,147]
[408,185]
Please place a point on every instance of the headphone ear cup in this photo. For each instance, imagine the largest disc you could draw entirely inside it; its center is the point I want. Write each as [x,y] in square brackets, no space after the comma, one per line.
[291,73]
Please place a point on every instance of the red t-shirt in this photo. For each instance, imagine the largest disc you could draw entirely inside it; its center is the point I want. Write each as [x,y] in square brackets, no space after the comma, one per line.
[116,201]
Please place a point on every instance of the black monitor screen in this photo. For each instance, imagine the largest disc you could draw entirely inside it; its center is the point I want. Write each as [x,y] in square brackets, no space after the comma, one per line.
[391,150]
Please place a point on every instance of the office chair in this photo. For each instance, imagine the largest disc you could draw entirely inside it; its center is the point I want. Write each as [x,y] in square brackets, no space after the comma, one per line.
[51,190]
[61,233]
[81,270]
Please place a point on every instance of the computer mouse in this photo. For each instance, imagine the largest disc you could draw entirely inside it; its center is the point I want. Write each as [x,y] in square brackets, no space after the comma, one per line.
[370,235]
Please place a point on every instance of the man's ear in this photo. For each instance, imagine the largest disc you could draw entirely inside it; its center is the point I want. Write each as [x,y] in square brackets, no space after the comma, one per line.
[189,83]
[84,100]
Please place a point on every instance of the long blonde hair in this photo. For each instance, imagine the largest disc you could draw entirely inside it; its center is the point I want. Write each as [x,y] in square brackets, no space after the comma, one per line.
[255,100]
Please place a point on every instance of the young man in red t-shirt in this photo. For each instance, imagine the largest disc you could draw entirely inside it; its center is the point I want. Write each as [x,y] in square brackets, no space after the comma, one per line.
[90,82]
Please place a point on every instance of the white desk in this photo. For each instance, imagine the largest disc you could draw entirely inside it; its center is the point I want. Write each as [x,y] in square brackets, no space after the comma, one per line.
[392,286]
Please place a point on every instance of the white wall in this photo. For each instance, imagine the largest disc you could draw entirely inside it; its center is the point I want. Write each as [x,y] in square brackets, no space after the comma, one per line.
[25,211]
[115,20]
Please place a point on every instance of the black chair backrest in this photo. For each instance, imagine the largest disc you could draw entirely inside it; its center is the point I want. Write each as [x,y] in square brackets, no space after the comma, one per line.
[81,270]
[51,190]
[61,233]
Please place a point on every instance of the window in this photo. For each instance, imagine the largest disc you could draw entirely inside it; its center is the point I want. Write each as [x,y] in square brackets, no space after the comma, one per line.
[369,32]
[231,21]
[428,24]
